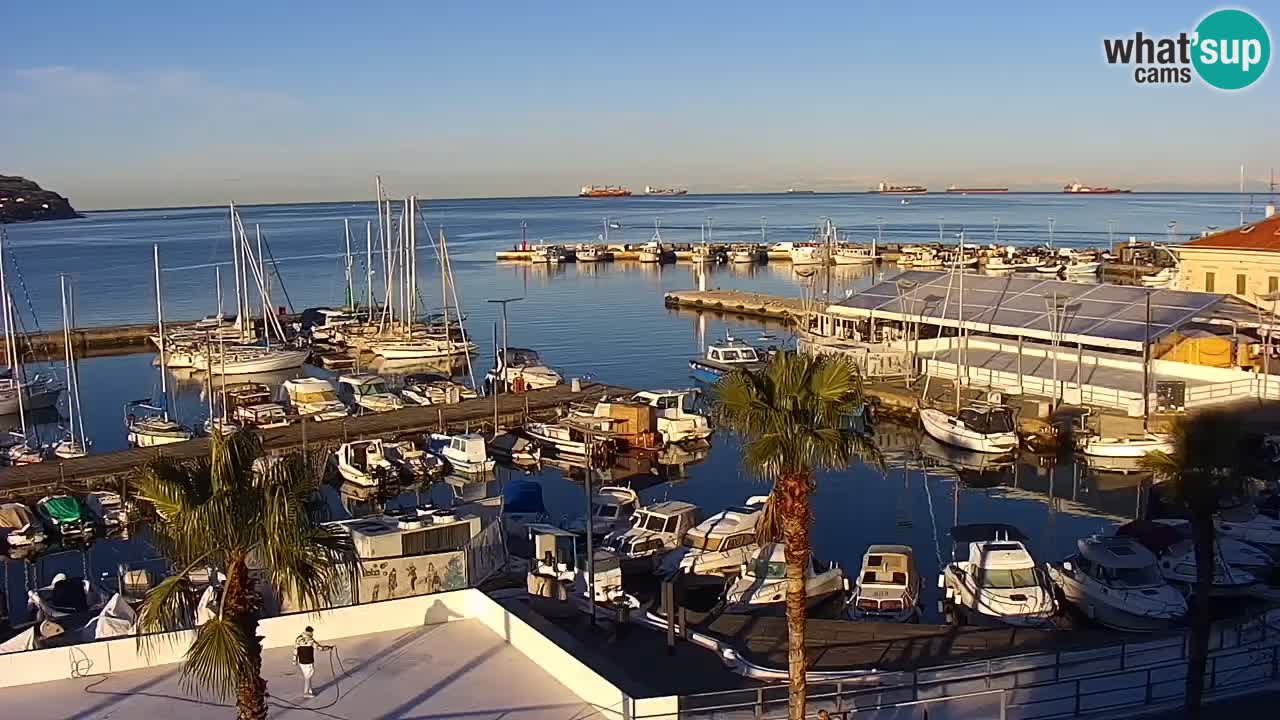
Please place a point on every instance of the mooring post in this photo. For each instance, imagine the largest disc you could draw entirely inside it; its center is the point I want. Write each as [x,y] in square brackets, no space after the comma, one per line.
[668,604]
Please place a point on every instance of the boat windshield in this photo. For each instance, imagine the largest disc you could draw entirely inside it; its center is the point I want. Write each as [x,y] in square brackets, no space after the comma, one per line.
[372,388]
[314,396]
[767,570]
[1007,579]
[702,542]
[993,420]
[601,510]
[654,522]
[1140,577]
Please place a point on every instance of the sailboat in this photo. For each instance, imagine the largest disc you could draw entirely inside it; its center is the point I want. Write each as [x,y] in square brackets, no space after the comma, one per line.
[38,391]
[148,423]
[74,445]
[22,453]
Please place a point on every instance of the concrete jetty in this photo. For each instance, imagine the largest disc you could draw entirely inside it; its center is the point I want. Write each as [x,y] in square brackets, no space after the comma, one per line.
[113,470]
[736,302]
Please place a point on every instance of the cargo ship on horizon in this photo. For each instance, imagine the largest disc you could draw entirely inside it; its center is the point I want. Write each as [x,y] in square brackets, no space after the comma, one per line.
[891,189]
[1076,187]
[650,190]
[976,190]
[599,191]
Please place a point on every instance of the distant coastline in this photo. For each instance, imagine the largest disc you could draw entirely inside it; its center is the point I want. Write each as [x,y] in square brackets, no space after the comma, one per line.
[23,201]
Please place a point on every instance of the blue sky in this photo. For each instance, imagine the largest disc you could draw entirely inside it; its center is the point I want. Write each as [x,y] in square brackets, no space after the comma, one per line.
[160,103]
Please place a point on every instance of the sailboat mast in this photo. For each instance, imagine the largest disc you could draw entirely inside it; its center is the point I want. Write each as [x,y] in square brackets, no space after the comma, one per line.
[413,260]
[262,285]
[960,336]
[235,264]
[368,265]
[164,382]
[75,369]
[217,281]
[346,233]
[444,288]
[66,346]
[9,344]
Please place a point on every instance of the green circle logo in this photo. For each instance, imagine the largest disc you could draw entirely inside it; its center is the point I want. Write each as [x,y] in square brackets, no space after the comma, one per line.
[1232,49]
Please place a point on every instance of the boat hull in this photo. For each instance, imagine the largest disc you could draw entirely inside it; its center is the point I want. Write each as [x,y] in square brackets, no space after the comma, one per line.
[1124,447]
[943,428]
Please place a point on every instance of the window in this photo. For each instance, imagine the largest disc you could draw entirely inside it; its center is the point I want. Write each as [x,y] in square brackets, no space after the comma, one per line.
[738,541]
[1241,283]
[1007,579]
[1208,282]
[1273,284]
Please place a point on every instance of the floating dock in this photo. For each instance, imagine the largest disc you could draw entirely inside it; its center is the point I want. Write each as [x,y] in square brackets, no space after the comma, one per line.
[112,470]
[736,302]
[101,341]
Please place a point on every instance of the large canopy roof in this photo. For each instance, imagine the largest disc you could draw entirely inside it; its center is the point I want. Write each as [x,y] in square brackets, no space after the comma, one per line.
[1107,316]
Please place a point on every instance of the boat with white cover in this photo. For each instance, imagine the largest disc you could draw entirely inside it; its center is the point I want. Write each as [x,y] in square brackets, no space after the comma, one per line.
[415,348]
[464,453]
[19,526]
[982,427]
[1116,582]
[997,581]
[888,585]
[762,584]
[1235,553]
[719,545]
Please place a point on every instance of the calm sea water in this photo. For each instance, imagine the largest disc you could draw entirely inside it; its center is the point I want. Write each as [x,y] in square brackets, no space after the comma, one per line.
[604,321]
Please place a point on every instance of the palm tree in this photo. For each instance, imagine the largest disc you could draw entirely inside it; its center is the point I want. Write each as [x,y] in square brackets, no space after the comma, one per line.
[1205,468]
[234,507]
[795,417]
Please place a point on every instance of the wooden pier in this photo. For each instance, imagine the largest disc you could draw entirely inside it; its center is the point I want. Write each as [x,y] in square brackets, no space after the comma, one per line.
[102,341]
[736,302]
[112,470]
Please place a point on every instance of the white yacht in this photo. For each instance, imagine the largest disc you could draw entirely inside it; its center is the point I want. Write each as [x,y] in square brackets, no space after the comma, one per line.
[1177,556]
[981,427]
[313,398]
[719,545]
[655,531]
[524,371]
[674,423]
[888,585]
[611,510]
[367,393]
[464,453]
[997,582]
[1244,523]
[763,581]
[1116,582]
[364,463]
[1253,559]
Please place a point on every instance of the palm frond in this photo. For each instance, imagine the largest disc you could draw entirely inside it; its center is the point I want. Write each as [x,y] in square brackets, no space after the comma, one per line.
[169,606]
[217,659]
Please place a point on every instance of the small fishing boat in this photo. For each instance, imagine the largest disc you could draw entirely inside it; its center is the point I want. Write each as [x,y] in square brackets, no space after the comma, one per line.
[655,531]
[982,427]
[1161,278]
[64,516]
[650,253]
[611,511]
[888,586]
[1134,446]
[464,453]
[23,453]
[702,254]
[953,263]
[313,398]
[551,254]
[719,545]
[1177,555]
[674,423]
[853,256]
[364,463]
[367,393]
[523,371]
[1090,267]
[1116,582]
[433,389]
[808,255]
[107,508]
[590,253]
[742,255]
[515,449]
[565,438]
[262,416]
[412,462]
[724,357]
[19,526]
[762,584]
[997,582]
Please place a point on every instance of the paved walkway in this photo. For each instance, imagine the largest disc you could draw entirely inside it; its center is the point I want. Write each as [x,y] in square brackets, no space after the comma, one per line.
[456,670]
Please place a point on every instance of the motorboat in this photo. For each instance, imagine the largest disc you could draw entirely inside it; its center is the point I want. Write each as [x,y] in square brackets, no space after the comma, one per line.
[107,508]
[416,348]
[1246,524]
[522,506]
[762,582]
[808,255]
[674,423]
[590,253]
[1012,263]
[19,526]
[63,515]
[313,398]
[655,531]
[464,453]
[888,585]
[365,392]
[262,416]
[364,463]
[1116,582]
[1177,555]
[963,262]
[412,462]
[1089,267]
[524,371]
[38,392]
[997,582]
[515,449]
[724,357]
[1162,278]
[567,438]
[1253,559]
[148,425]
[982,427]
[611,510]
[433,389]
[719,545]
[1134,446]
[742,255]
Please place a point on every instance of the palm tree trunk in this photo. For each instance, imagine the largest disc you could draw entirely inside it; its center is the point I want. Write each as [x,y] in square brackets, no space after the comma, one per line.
[793,506]
[243,606]
[1202,532]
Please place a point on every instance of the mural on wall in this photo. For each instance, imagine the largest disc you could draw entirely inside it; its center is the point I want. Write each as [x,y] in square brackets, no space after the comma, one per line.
[391,578]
